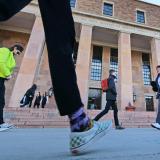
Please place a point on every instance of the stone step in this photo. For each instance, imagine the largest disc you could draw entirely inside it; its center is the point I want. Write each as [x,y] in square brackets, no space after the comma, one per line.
[26,117]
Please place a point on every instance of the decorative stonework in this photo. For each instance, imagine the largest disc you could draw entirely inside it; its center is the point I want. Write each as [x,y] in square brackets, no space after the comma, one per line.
[119,26]
[104,22]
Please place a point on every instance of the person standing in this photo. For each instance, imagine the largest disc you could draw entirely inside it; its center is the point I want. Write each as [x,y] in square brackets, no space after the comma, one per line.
[60,38]
[157,81]
[44,100]
[111,96]
[7,64]
[37,101]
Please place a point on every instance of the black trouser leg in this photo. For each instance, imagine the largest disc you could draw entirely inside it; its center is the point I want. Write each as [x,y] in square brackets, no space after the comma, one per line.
[60,38]
[115,112]
[105,111]
[11,7]
[158,114]
[2,99]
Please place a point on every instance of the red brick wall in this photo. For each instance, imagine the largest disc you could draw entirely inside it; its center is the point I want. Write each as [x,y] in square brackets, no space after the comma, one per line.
[123,9]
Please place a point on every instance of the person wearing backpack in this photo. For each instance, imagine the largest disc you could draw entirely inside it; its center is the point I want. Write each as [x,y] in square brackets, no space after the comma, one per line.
[28,97]
[108,86]
[156,87]
[7,65]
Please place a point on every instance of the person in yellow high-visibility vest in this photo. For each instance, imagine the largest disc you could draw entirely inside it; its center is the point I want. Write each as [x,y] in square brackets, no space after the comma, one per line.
[7,65]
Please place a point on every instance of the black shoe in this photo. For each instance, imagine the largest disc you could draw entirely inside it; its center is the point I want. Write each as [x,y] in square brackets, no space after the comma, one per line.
[119,127]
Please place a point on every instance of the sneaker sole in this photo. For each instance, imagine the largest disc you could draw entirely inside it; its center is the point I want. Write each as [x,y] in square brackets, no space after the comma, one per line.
[4,129]
[155,127]
[94,139]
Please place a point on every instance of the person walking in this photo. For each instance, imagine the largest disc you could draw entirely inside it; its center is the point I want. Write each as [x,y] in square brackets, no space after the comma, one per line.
[111,96]
[28,97]
[157,82]
[60,38]
[7,65]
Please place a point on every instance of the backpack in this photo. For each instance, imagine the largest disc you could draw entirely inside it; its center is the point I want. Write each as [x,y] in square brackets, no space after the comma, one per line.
[24,101]
[154,86]
[104,85]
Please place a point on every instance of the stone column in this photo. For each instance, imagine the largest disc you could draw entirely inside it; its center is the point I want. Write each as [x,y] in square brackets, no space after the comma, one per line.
[125,84]
[105,70]
[155,56]
[83,62]
[155,49]
[29,64]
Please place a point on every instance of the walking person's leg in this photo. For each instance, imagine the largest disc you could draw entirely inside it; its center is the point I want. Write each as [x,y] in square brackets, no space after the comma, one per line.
[2,99]
[105,111]
[60,38]
[115,113]
[11,7]
[158,114]
[157,124]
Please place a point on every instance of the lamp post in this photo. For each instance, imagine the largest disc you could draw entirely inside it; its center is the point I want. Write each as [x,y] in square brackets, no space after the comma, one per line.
[134,97]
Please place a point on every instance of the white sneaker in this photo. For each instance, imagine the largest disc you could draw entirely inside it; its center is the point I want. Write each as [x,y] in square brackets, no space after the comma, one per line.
[155,125]
[6,126]
[79,141]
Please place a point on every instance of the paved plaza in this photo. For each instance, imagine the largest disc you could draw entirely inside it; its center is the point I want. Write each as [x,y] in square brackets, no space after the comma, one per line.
[52,144]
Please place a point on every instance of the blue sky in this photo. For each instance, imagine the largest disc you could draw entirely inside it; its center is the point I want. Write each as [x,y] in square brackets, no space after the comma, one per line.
[153,1]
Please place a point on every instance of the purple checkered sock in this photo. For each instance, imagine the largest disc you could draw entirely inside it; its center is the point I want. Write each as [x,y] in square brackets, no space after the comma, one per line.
[79,121]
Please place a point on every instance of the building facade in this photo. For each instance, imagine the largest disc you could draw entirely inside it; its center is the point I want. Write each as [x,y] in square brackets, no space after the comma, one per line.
[111,34]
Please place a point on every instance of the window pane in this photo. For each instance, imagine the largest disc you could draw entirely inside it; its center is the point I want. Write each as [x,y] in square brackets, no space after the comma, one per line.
[146,69]
[73,3]
[108,9]
[140,17]
[94,98]
[149,103]
[96,66]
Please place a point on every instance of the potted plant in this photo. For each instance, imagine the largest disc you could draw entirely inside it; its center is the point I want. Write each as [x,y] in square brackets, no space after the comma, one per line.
[130,107]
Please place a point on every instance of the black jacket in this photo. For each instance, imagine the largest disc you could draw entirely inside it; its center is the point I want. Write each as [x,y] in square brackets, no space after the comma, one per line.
[111,93]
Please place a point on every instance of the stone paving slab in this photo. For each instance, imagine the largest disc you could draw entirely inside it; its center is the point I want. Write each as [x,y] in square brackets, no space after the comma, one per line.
[52,144]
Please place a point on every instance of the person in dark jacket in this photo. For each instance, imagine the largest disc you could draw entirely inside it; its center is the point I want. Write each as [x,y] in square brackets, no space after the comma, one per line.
[44,100]
[157,124]
[111,96]
[28,97]
[37,101]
